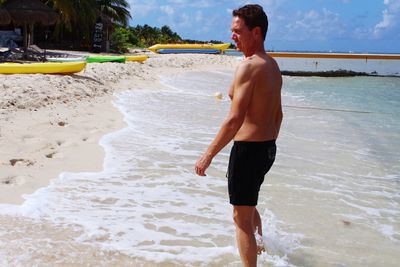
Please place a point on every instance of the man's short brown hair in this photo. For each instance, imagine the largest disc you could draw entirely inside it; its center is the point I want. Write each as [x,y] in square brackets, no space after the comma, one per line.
[253,16]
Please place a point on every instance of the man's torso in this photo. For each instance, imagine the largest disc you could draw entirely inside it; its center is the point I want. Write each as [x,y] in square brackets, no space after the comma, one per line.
[263,118]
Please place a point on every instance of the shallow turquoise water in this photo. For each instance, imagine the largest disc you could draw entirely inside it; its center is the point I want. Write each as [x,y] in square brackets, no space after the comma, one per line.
[331,199]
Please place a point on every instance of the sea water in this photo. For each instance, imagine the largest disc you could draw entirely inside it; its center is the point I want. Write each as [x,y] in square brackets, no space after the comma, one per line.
[382,67]
[331,199]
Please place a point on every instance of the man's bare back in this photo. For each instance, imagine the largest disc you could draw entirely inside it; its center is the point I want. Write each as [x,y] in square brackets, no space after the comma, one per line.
[264,114]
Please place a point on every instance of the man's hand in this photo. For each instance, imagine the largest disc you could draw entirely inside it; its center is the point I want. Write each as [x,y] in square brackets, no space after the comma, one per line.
[202,165]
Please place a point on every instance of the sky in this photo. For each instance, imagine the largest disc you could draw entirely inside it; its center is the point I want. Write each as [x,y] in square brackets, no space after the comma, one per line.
[294,25]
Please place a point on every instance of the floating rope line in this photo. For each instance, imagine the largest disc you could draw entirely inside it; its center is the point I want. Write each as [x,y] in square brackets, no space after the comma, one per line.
[333,109]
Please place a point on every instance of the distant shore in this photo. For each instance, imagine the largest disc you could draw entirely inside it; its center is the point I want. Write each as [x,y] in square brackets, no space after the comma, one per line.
[334,73]
[365,56]
[325,64]
[323,54]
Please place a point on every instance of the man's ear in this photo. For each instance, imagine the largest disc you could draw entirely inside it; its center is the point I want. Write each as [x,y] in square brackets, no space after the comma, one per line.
[257,31]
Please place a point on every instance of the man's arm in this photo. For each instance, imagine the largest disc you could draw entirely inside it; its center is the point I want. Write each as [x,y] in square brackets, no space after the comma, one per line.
[230,91]
[243,91]
[279,118]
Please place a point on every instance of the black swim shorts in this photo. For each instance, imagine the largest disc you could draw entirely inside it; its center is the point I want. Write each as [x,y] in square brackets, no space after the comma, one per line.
[248,164]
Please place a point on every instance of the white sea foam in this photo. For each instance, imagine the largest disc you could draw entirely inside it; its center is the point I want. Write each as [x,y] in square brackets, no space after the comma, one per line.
[148,203]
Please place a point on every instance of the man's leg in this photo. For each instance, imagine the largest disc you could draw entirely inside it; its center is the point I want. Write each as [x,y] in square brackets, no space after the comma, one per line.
[243,217]
[257,223]
[257,230]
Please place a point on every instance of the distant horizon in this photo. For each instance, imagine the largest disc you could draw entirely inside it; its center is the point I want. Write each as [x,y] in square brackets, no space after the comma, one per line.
[329,52]
[308,25]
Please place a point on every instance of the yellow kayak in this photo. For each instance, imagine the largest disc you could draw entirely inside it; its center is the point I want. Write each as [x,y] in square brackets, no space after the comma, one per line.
[138,58]
[42,67]
[220,47]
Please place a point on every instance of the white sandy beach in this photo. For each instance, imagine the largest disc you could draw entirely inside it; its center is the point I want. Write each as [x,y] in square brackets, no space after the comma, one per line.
[52,123]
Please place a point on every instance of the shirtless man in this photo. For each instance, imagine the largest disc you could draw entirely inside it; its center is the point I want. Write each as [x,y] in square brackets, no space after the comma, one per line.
[253,123]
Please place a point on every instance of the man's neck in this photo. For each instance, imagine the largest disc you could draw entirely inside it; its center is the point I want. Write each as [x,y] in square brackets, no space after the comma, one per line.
[252,52]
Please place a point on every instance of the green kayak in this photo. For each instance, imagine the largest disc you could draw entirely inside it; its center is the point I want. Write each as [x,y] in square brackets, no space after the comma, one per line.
[101,59]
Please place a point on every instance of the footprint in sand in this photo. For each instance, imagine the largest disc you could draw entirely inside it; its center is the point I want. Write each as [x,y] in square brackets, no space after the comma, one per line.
[21,162]
[50,155]
[14,180]
[63,143]
[55,155]
[60,142]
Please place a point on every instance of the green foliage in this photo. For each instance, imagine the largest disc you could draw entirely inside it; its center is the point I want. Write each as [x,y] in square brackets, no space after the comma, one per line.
[78,17]
[133,40]
[145,36]
[117,10]
[119,40]
[190,41]
[148,36]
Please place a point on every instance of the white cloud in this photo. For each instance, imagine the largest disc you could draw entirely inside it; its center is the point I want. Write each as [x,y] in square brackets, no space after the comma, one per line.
[167,10]
[193,3]
[199,16]
[390,17]
[178,1]
[313,25]
[140,8]
[184,21]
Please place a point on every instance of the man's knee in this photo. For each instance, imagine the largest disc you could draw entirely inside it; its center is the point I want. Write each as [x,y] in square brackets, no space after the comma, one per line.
[243,217]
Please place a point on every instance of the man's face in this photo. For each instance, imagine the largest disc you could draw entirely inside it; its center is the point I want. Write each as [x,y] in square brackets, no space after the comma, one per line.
[240,33]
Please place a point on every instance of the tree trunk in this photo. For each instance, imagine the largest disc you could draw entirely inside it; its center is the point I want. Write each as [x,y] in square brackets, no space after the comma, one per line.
[25,36]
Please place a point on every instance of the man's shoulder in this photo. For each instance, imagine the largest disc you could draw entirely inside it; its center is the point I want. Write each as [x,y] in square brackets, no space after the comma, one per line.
[246,62]
[248,65]
[257,60]
[252,64]
[245,66]
[266,62]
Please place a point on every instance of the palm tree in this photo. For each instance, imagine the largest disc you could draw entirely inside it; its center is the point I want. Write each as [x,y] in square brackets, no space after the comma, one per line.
[74,12]
[117,10]
[81,15]
[169,36]
[78,17]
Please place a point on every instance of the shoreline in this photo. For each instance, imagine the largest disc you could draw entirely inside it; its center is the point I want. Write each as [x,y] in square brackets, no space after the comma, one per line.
[53,123]
[41,144]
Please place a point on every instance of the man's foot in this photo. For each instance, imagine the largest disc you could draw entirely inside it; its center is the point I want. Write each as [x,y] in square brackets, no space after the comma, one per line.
[260,244]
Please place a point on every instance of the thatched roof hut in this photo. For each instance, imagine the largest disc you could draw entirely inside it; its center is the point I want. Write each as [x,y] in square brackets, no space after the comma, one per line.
[24,12]
[29,12]
[5,18]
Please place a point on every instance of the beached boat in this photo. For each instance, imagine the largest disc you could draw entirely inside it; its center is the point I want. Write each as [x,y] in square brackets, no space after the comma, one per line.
[197,48]
[102,59]
[99,59]
[138,58]
[188,51]
[65,59]
[42,67]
